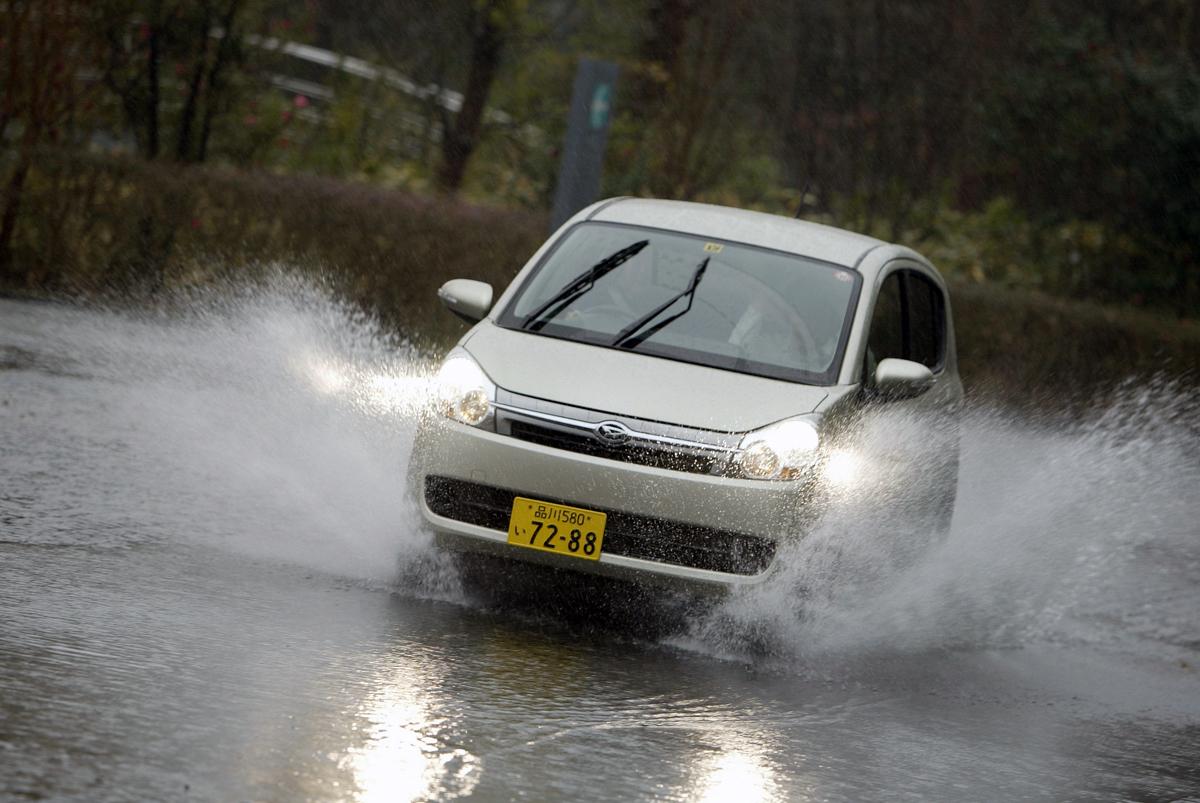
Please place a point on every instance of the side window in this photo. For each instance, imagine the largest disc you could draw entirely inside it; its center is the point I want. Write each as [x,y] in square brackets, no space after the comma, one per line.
[909,322]
[887,325]
[926,320]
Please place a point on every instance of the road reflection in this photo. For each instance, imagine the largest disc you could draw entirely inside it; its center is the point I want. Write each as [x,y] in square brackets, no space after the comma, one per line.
[405,756]
[739,776]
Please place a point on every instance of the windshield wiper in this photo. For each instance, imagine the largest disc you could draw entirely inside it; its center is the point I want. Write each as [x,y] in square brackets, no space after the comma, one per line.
[580,285]
[630,337]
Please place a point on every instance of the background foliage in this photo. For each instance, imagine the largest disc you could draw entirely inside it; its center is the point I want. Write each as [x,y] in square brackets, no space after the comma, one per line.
[1050,146]
[390,250]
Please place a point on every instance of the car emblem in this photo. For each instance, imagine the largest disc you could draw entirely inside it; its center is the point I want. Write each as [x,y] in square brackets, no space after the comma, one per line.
[612,433]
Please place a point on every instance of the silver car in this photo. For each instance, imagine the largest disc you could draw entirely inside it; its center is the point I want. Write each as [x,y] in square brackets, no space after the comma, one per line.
[672,392]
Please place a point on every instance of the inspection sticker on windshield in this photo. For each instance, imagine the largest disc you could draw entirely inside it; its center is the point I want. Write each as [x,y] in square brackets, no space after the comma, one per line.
[573,531]
[713,248]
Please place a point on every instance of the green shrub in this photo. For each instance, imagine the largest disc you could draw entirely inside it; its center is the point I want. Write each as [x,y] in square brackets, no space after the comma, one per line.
[107,226]
[1035,350]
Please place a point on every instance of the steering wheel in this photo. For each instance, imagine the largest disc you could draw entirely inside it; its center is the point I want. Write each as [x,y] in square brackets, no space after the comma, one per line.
[801,338]
[806,338]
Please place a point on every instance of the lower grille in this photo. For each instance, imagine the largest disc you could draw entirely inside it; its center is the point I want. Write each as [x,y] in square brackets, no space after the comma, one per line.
[625,534]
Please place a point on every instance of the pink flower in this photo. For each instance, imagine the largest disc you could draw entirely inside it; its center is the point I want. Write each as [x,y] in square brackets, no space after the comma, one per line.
[250,119]
[300,102]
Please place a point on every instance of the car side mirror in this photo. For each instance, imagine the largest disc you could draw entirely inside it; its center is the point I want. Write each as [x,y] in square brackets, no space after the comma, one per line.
[897,379]
[467,298]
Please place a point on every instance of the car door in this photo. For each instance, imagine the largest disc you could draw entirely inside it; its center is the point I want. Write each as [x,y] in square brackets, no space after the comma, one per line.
[913,442]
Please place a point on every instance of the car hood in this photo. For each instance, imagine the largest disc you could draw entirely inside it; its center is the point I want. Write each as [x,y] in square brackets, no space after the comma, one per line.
[636,385]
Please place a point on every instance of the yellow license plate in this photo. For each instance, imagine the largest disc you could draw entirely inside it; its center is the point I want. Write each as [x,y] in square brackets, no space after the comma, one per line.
[555,528]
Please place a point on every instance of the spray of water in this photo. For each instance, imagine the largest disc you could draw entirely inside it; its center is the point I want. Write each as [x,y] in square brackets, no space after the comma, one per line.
[277,421]
[1083,529]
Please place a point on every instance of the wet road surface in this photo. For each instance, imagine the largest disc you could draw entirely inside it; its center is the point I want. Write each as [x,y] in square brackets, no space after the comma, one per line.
[212,588]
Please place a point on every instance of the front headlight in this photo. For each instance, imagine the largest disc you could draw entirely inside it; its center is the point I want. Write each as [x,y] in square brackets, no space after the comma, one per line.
[462,390]
[782,451]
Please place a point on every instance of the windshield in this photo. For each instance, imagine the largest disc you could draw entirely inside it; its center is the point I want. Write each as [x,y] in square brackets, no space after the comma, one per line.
[690,298]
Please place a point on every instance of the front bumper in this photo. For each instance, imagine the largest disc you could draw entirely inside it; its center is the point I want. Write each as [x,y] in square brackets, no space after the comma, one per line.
[666,526]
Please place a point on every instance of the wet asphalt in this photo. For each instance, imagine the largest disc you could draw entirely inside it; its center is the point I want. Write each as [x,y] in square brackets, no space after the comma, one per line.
[212,592]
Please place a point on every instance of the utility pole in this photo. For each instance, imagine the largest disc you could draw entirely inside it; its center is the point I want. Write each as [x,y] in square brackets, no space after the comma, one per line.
[588,122]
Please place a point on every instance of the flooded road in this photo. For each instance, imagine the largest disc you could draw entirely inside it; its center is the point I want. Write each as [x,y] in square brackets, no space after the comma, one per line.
[212,587]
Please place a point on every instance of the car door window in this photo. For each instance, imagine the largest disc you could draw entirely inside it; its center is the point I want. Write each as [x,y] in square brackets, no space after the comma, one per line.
[924,320]
[887,326]
[908,322]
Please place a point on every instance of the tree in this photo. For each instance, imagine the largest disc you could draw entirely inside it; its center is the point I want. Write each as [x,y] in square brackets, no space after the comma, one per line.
[206,84]
[683,93]
[1098,119]
[43,47]
[180,51]
[492,22]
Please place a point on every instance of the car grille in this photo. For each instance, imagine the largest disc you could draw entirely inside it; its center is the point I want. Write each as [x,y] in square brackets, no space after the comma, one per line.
[584,443]
[625,534]
[649,443]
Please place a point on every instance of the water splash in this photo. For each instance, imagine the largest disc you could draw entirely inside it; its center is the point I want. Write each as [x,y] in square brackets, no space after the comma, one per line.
[276,421]
[1064,530]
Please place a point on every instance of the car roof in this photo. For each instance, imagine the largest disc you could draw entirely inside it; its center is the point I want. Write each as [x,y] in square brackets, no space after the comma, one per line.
[740,225]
